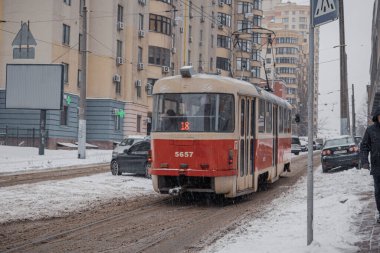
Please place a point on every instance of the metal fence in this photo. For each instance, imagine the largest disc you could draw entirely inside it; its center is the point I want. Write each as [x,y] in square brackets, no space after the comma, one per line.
[16,136]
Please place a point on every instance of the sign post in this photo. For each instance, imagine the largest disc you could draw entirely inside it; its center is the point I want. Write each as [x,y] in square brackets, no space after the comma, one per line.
[321,12]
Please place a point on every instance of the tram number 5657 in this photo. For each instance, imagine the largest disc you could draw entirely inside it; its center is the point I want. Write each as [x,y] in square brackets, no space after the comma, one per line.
[183,154]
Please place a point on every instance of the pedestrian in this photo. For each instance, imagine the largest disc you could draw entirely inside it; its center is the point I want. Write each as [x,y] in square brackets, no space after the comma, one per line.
[371,145]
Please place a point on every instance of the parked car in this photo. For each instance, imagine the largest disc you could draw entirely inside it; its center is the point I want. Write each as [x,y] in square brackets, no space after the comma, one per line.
[133,160]
[304,145]
[127,143]
[296,145]
[339,152]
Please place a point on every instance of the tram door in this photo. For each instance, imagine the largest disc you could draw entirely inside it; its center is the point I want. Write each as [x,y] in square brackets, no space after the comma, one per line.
[275,139]
[244,148]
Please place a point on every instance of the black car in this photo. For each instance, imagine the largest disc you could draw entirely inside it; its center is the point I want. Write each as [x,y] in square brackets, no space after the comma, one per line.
[339,152]
[133,160]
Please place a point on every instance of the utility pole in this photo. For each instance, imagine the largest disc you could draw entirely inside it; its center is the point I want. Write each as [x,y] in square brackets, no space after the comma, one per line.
[344,106]
[353,113]
[82,100]
[310,128]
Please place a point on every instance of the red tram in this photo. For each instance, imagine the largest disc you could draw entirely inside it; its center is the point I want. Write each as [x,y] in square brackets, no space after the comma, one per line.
[217,134]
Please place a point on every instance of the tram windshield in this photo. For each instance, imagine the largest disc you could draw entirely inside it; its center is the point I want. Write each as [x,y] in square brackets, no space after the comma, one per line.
[193,112]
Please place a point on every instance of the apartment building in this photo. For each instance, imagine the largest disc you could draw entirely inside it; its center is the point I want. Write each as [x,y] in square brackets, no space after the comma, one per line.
[373,89]
[130,45]
[290,22]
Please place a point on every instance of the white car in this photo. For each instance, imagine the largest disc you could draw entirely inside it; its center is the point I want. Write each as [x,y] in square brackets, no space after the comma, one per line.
[296,145]
[127,143]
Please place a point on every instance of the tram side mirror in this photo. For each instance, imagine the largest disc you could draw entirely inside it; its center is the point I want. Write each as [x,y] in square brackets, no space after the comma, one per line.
[297,118]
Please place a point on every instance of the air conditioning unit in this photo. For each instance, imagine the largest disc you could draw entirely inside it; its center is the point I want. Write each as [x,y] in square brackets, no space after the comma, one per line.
[165,69]
[120,25]
[175,22]
[220,26]
[221,3]
[116,78]
[141,33]
[218,71]
[190,39]
[142,2]
[140,66]
[138,83]
[119,60]
[174,50]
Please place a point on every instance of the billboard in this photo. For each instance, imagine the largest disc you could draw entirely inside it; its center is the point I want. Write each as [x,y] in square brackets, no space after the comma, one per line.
[34,86]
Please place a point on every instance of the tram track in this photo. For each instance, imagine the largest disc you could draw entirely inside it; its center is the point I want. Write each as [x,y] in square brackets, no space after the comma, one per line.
[146,224]
[11,179]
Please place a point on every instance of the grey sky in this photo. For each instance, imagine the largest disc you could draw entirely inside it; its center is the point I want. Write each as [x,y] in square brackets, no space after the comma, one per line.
[358,27]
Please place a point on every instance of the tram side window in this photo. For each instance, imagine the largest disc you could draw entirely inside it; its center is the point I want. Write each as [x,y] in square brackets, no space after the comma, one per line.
[281,116]
[261,116]
[268,117]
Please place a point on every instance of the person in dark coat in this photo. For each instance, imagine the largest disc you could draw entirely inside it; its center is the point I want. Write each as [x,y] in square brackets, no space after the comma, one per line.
[371,145]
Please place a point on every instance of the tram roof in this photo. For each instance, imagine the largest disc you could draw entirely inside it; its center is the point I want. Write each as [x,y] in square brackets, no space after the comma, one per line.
[206,83]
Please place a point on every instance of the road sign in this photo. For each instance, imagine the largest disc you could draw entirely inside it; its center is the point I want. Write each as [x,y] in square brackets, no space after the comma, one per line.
[324,11]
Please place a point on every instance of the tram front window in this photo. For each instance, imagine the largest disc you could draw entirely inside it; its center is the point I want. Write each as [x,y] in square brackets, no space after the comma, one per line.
[193,113]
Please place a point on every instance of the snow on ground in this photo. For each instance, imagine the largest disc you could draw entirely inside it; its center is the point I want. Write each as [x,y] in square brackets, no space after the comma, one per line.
[284,226]
[281,229]
[59,198]
[18,159]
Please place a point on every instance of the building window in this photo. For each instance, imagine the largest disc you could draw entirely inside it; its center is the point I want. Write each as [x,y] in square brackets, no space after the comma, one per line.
[64,115]
[189,58]
[138,124]
[119,48]
[140,55]
[285,70]
[224,19]
[67,2]
[117,122]
[244,45]
[244,26]
[257,4]
[242,64]
[79,79]
[222,63]
[289,40]
[120,10]
[211,63]
[159,56]
[285,20]
[256,55]
[256,38]
[224,41]
[81,5]
[66,35]
[150,85]
[286,50]
[268,60]
[244,7]
[141,22]
[65,73]
[291,91]
[118,87]
[257,20]
[138,91]
[160,24]
[302,19]
[80,42]
[255,71]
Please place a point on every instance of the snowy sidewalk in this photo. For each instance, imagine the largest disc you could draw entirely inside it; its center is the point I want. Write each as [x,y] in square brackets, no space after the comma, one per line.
[369,230]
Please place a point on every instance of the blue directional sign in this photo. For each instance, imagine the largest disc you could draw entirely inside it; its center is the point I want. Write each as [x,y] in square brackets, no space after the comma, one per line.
[324,11]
